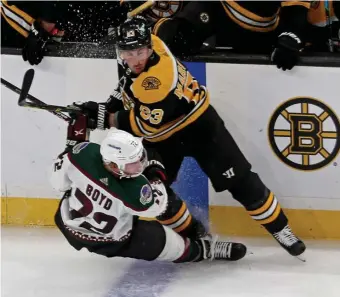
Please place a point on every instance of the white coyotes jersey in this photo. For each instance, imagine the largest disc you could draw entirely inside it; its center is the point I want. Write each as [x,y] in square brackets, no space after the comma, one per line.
[101,207]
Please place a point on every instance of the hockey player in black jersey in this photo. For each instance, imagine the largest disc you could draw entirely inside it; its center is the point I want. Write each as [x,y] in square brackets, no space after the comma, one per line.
[29,25]
[158,99]
[247,26]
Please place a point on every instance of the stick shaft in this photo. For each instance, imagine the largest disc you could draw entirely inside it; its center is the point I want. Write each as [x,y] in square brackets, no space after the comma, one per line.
[34,99]
[148,4]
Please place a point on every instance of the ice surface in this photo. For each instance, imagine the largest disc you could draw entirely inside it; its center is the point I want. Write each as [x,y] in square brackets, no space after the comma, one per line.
[38,262]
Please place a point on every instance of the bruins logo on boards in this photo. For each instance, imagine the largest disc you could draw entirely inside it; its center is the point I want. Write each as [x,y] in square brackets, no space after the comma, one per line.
[151,83]
[164,9]
[304,133]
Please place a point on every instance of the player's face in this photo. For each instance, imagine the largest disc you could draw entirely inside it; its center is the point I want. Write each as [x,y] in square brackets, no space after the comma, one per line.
[136,59]
[136,168]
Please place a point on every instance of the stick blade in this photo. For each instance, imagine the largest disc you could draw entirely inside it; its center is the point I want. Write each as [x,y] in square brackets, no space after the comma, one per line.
[26,85]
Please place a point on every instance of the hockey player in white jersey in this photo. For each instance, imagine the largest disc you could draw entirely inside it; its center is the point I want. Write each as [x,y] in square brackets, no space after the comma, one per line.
[108,187]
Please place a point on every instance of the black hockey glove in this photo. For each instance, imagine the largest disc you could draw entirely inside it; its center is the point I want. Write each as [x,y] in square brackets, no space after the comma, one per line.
[97,116]
[115,102]
[155,170]
[35,46]
[287,52]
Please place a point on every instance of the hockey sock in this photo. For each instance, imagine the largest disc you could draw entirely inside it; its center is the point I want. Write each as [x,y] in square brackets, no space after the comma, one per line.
[268,213]
[193,252]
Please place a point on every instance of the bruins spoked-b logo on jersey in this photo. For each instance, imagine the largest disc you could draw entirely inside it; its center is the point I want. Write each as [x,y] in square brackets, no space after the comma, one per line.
[151,83]
[164,9]
[304,133]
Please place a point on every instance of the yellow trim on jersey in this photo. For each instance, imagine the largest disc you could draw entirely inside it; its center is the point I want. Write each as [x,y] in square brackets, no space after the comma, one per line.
[158,24]
[19,12]
[26,17]
[159,46]
[138,130]
[162,128]
[248,13]
[306,4]
[248,20]
[167,80]
[16,18]
[158,81]
[14,25]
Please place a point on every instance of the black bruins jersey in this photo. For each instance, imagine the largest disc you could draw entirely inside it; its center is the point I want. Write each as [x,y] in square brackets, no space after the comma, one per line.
[20,19]
[160,9]
[163,99]
[21,14]
[260,16]
[164,9]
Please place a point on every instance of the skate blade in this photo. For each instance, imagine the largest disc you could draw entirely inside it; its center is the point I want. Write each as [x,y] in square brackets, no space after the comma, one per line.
[302,258]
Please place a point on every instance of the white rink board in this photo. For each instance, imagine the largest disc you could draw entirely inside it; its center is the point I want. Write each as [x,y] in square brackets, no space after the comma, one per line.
[32,138]
[246,97]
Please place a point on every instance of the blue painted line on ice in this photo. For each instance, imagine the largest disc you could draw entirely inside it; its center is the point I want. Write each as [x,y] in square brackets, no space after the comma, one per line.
[145,279]
[151,279]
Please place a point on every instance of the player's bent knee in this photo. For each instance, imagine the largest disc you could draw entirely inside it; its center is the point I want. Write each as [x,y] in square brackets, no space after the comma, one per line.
[174,247]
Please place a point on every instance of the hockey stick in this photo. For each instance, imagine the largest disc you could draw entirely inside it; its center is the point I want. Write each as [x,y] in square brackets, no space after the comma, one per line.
[26,85]
[148,4]
[34,99]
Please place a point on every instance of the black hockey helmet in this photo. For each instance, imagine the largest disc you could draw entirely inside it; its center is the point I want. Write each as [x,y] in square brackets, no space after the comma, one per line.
[133,33]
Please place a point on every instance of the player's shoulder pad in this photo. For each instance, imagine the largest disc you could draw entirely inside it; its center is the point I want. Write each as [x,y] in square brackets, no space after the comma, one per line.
[81,147]
[138,193]
[84,151]
[155,84]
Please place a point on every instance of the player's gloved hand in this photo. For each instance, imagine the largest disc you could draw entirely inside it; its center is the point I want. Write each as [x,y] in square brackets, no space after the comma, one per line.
[155,170]
[287,51]
[77,131]
[97,116]
[35,46]
[115,102]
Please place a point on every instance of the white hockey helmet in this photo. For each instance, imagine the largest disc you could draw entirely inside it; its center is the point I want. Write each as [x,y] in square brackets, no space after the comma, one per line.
[125,151]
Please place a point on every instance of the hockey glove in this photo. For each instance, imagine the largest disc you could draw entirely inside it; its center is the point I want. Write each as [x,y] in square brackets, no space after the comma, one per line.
[35,46]
[97,116]
[77,132]
[115,102]
[155,170]
[287,51]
